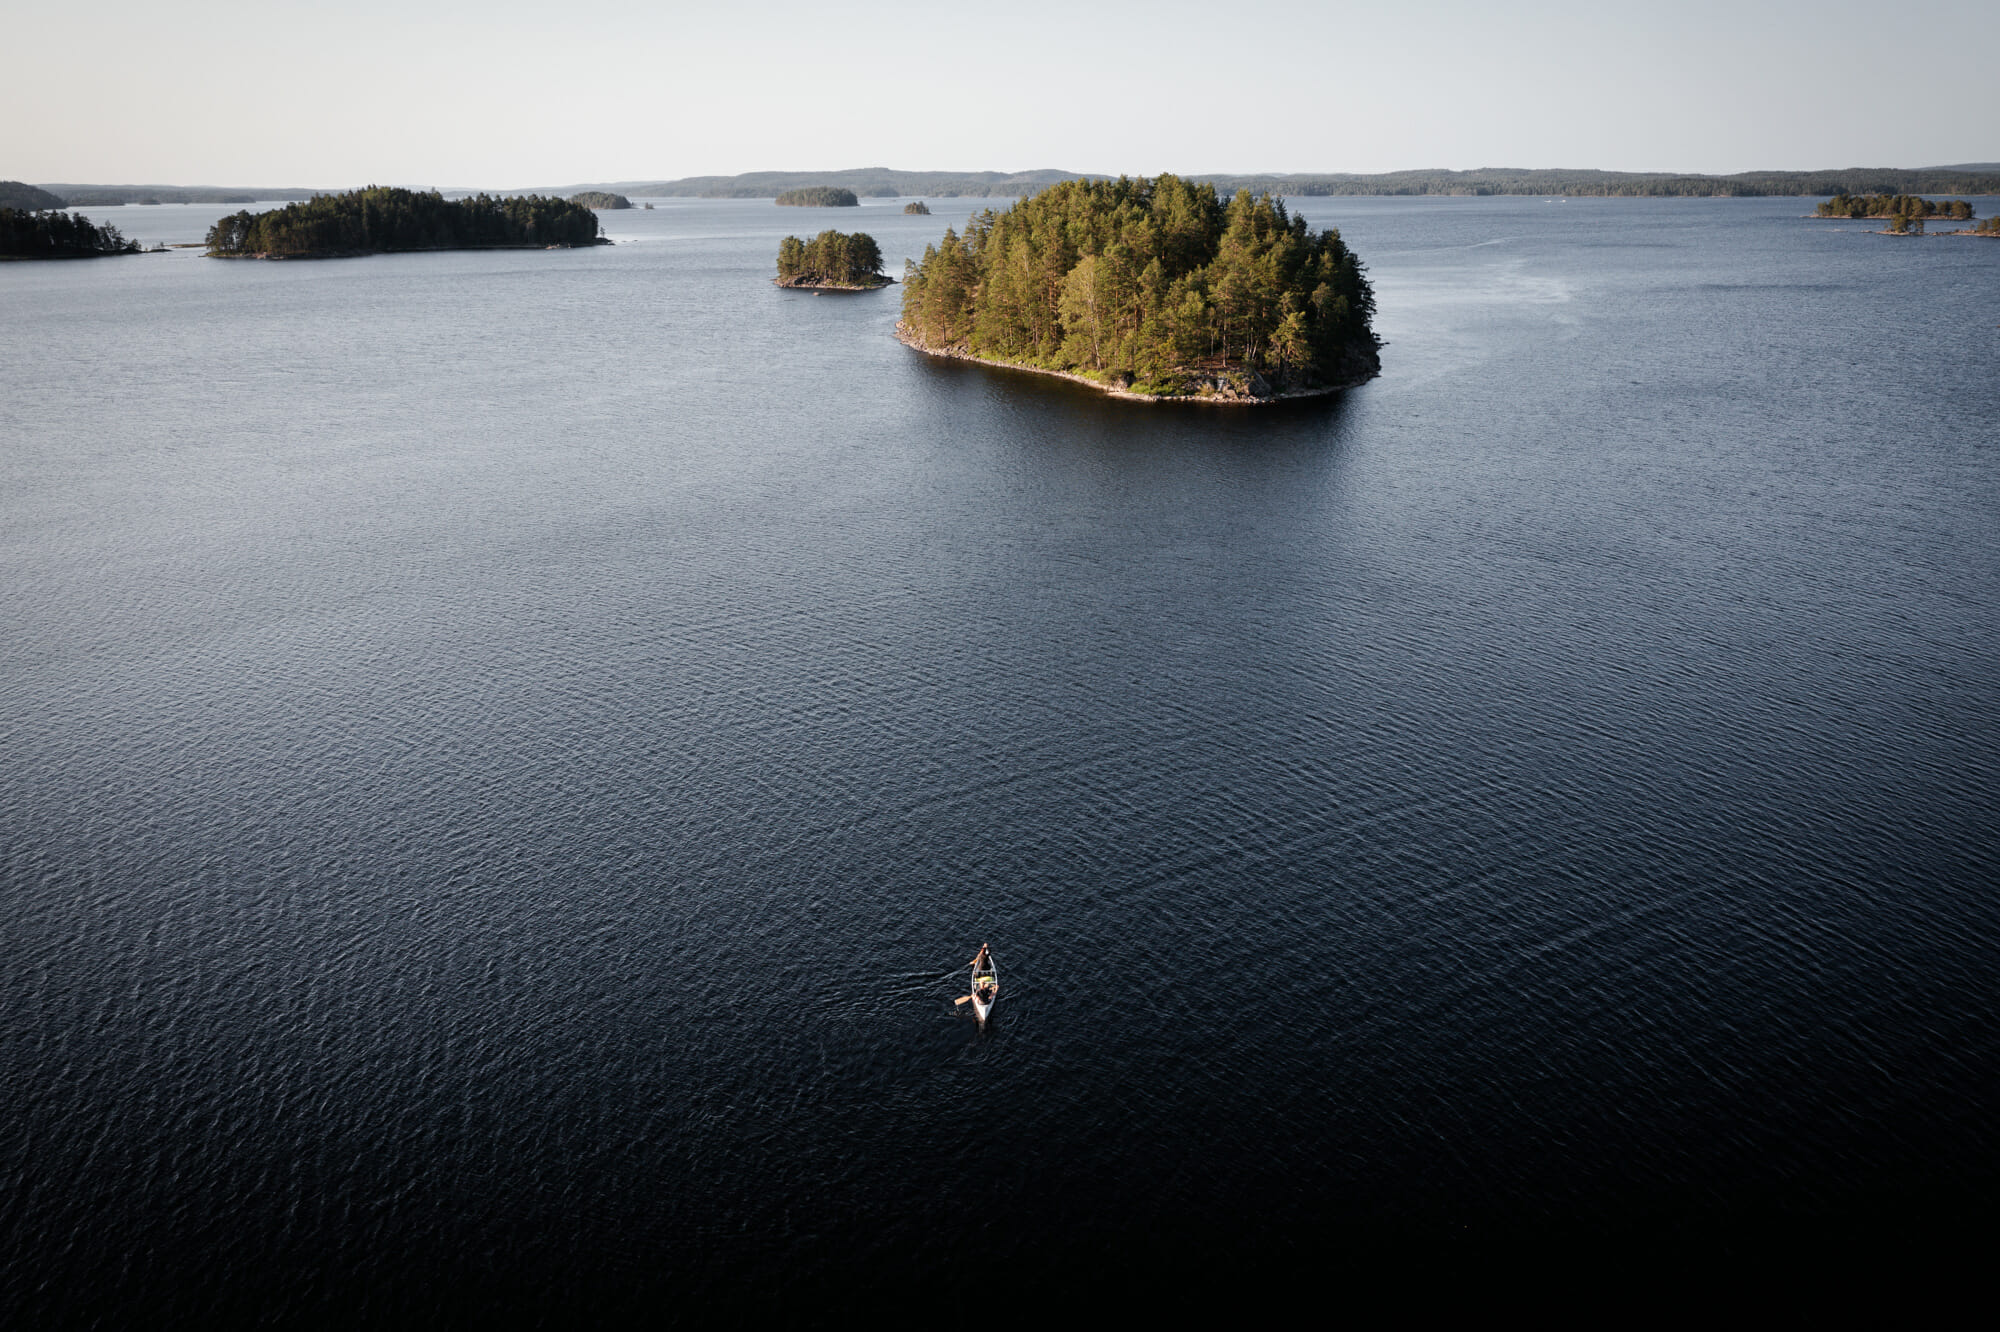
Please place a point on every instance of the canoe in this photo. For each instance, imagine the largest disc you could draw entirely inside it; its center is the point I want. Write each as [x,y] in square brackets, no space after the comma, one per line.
[985,983]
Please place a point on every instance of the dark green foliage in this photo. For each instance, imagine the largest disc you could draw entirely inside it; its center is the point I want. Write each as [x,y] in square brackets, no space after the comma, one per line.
[52,235]
[1893,206]
[1156,282]
[601,199]
[1990,227]
[830,259]
[26,198]
[819,196]
[379,220]
[918,207]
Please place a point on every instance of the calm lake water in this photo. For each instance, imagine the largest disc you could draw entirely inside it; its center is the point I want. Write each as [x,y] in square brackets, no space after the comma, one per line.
[503,753]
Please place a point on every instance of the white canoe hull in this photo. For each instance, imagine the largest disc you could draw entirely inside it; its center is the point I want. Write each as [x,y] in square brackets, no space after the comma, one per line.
[980,1008]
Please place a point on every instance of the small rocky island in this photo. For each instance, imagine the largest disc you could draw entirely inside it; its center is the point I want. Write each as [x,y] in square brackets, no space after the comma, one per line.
[832,261]
[384,220]
[1152,289]
[918,207]
[819,196]
[600,199]
[47,234]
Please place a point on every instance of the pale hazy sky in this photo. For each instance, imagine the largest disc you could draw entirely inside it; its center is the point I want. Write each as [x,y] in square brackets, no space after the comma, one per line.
[505,94]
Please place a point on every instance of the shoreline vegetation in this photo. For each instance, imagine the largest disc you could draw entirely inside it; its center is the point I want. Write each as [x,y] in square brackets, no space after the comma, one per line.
[386,220]
[1888,207]
[1989,230]
[50,234]
[1222,389]
[1906,214]
[1149,289]
[817,196]
[831,261]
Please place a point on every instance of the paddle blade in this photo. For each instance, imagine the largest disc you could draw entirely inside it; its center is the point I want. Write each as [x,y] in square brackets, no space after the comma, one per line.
[963,999]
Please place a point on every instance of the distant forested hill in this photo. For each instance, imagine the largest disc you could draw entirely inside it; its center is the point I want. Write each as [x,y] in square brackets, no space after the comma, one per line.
[883,183]
[16,194]
[127,194]
[381,220]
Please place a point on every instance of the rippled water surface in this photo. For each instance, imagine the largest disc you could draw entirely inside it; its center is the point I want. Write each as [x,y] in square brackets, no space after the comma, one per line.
[503,753]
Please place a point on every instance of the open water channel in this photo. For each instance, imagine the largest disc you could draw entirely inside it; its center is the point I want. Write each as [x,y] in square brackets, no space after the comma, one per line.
[501,753]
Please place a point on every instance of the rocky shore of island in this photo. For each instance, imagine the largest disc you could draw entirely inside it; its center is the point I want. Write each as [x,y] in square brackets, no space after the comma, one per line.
[1232,387]
[879,281]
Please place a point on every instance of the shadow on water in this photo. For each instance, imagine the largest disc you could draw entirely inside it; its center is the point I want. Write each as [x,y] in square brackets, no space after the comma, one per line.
[1066,409]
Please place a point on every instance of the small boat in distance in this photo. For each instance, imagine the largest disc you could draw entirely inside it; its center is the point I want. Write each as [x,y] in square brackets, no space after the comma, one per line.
[985,985]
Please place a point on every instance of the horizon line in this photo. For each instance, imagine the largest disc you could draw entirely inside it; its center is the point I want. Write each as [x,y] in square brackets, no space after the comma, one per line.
[1967,167]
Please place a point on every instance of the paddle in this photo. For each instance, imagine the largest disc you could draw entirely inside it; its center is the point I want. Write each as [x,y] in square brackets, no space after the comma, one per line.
[962,999]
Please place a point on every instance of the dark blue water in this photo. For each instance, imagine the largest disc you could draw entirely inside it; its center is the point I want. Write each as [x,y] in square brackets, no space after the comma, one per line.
[503,753]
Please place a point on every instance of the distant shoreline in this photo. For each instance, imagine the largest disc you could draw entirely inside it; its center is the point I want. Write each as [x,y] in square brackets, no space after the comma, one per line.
[882,183]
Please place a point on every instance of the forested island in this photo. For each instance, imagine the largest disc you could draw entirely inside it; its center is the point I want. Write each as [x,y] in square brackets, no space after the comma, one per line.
[918,207]
[1990,227]
[819,196]
[1149,288]
[832,261]
[36,234]
[601,199]
[383,220]
[1889,206]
